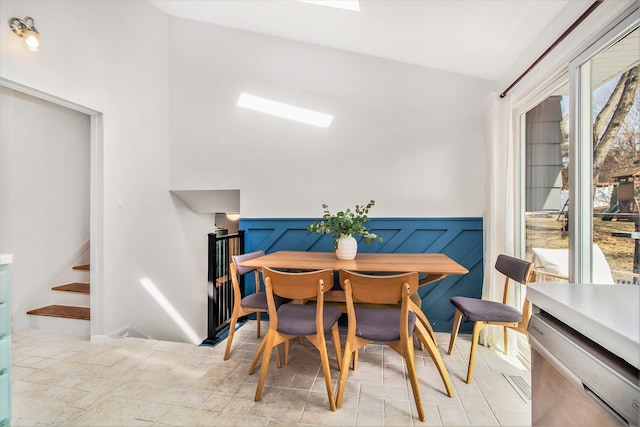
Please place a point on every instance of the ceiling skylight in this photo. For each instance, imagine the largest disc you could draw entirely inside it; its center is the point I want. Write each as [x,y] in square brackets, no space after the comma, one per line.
[284,110]
[353,5]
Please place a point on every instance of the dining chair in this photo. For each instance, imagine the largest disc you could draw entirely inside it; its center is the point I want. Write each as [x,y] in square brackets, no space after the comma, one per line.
[298,319]
[392,324]
[250,304]
[484,312]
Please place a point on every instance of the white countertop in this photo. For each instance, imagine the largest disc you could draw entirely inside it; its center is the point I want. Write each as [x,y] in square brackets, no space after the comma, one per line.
[6,259]
[606,314]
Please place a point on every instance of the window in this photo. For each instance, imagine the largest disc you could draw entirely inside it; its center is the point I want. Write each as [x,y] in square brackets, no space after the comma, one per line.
[546,137]
[581,164]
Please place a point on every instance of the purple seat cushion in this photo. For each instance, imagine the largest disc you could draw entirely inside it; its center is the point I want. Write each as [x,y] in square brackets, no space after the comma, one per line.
[486,311]
[259,300]
[300,320]
[380,324]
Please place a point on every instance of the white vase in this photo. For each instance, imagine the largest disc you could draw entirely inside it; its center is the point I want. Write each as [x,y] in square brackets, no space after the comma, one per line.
[347,247]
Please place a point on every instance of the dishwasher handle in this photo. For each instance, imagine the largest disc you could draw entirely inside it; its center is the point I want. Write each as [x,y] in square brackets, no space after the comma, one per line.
[557,364]
[605,406]
[575,381]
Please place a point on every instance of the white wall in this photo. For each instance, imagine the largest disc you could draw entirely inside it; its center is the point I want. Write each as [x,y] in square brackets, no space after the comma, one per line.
[44,195]
[409,137]
[111,56]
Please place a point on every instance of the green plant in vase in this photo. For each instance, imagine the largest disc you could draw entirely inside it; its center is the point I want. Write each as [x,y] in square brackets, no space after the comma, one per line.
[343,226]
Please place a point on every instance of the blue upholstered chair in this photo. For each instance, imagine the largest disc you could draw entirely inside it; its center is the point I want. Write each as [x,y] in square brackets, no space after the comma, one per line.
[297,319]
[392,325]
[252,303]
[484,312]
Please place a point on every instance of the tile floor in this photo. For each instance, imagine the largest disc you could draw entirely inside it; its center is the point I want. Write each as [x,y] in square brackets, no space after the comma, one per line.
[61,379]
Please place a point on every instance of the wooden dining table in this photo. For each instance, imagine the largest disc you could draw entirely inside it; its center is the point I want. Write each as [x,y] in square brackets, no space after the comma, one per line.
[434,266]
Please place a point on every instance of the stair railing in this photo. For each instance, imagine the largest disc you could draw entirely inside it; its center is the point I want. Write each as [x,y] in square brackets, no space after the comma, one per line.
[220,293]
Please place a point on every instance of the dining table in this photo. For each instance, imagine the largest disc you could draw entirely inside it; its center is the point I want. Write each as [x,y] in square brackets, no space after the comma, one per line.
[433,266]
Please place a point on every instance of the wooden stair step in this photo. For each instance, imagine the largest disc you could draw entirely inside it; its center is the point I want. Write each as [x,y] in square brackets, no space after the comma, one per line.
[83,288]
[82,267]
[65,311]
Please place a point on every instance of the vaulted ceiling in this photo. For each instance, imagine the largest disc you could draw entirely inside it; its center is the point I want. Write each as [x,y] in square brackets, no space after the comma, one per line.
[480,38]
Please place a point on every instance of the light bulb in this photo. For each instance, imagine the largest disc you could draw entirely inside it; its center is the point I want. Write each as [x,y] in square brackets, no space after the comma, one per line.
[32,41]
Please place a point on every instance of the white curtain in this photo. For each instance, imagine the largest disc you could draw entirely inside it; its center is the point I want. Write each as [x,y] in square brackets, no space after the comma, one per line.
[500,205]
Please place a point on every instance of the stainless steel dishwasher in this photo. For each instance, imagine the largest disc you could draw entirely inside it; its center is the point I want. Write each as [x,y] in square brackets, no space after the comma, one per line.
[577,382]
[585,342]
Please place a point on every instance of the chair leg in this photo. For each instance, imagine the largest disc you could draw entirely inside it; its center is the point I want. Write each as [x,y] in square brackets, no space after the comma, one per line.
[258,321]
[257,356]
[324,358]
[409,358]
[437,359]
[477,327]
[278,361]
[346,361]
[506,340]
[423,319]
[454,330]
[232,330]
[266,356]
[336,344]
[355,360]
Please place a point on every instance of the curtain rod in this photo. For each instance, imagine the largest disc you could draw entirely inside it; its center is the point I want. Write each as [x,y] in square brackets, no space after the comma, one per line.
[556,43]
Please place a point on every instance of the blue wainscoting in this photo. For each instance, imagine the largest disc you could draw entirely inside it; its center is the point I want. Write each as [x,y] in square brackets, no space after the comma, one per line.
[458,238]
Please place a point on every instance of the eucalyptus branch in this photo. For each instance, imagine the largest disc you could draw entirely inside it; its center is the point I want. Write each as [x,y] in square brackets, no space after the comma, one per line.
[348,223]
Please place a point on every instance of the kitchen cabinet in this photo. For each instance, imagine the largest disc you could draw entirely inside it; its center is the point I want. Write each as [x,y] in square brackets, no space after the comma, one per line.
[5,341]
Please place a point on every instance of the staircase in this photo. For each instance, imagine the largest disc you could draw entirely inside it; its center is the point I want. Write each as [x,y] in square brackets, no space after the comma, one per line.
[70,311]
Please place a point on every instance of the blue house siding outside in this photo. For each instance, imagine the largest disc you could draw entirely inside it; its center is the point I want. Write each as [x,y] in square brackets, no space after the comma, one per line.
[459,238]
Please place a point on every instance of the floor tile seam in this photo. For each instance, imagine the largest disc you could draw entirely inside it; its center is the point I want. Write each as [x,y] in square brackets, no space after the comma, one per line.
[45,397]
[461,407]
[93,404]
[208,394]
[484,396]
[18,365]
[484,399]
[451,400]
[26,379]
[173,403]
[129,402]
[167,410]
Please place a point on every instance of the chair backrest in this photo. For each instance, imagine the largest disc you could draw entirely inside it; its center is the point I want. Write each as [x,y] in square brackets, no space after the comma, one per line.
[237,271]
[296,286]
[392,290]
[520,271]
[514,268]
[237,259]
[379,289]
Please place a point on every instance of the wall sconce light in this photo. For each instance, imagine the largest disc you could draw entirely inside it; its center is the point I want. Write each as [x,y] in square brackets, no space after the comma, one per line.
[25,29]
[233,216]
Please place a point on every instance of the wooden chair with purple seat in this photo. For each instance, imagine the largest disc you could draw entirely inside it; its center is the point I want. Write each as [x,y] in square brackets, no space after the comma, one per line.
[297,319]
[250,304]
[484,312]
[392,323]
